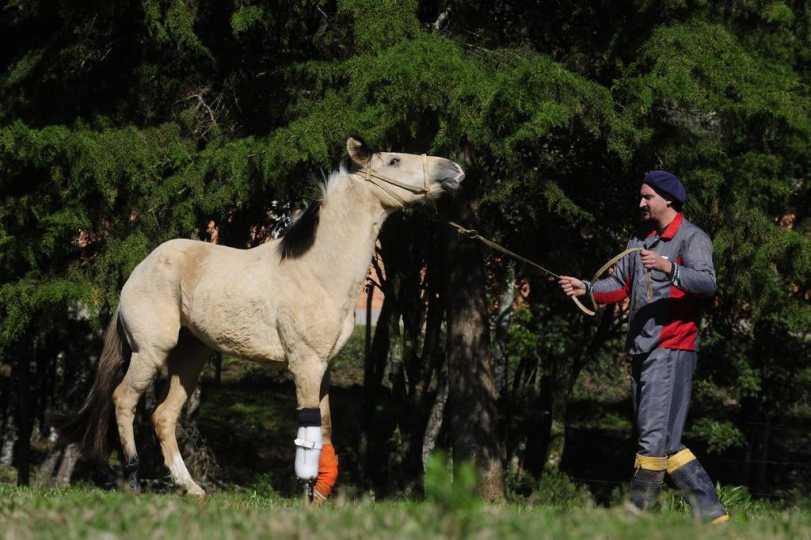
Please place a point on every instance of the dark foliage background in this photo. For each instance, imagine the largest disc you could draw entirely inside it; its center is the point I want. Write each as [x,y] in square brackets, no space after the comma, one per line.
[125,123]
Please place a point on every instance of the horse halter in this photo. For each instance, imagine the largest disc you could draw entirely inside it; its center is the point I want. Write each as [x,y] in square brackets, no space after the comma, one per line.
[380,180]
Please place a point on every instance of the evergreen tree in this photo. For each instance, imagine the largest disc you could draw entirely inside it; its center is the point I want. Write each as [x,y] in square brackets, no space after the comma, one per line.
[125,123]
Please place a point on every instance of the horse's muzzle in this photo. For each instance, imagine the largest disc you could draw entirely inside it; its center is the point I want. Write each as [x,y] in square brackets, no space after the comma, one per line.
[452,178]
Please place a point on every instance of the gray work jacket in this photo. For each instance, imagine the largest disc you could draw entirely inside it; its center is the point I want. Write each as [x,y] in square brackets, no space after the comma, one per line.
[665,308]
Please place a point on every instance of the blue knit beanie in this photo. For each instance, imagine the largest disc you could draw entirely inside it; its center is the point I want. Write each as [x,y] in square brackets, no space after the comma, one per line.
[666,183]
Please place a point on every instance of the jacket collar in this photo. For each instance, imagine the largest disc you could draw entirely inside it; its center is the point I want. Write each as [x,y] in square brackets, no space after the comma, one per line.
[671,229]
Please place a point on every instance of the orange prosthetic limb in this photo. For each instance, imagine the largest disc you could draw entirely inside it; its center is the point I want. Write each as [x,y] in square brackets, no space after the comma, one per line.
[327,472]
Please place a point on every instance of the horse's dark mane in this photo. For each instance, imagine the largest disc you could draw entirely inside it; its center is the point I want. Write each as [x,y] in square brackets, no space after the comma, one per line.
[300,236]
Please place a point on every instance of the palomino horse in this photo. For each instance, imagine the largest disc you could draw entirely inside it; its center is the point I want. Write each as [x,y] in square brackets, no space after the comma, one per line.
[290,300]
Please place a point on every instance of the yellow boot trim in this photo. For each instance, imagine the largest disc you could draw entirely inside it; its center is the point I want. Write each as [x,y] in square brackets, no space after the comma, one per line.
[650,463]
[720,519]
[679,459]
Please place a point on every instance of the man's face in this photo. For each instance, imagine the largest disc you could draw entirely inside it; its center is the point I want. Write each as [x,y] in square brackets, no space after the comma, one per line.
[652,206]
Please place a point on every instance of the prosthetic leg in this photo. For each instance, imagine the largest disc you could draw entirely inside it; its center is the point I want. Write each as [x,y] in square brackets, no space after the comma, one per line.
[308,447]
[694,482]
[316,463]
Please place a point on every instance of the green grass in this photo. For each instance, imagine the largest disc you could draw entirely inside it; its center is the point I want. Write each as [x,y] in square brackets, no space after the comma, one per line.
[89,513]
[249,420]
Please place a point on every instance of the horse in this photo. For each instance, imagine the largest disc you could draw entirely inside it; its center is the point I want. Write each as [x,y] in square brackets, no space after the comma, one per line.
[289,300]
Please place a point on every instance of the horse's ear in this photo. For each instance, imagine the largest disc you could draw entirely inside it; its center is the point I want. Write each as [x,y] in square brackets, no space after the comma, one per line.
[358,151]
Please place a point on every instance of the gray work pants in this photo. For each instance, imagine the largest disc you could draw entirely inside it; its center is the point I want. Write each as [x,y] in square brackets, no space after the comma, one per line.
[661,381]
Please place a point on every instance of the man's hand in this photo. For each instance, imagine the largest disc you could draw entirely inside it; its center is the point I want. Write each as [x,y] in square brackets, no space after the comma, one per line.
[652,261]
[572,286]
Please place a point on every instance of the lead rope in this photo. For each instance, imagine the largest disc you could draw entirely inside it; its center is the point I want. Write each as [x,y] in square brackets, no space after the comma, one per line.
[612,262]
[375,178]
[472,234]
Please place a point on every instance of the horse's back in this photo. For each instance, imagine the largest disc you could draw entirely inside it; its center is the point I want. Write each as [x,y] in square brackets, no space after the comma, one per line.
[167,265]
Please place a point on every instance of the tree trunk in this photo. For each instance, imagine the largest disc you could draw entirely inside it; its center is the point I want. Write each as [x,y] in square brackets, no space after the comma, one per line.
[372,445]
[763,484]
[434,426]
[502,327]
[8,431]
[473,399]
[433,353]
[367,330]
[23,417]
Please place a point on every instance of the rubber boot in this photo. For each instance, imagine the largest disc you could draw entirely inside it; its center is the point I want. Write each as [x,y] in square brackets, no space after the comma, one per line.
[645,487]
[694,482]
[647,481]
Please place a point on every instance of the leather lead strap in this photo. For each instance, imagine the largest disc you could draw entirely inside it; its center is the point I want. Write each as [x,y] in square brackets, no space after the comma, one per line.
[473,234]
[379,180]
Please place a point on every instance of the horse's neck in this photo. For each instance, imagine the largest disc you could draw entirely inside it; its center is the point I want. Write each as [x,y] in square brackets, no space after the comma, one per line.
[350,220]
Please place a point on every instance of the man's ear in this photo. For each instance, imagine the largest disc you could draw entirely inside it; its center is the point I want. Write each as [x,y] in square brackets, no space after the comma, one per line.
[358,152]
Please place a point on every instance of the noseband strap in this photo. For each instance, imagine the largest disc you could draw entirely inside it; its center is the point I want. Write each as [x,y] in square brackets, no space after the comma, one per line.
[380,181]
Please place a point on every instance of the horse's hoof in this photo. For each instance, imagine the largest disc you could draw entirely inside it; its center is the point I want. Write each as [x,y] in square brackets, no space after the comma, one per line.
[195,491]
[131,482]
[105,478]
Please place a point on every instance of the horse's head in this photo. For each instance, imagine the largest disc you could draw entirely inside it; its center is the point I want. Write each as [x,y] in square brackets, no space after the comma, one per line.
[402,179]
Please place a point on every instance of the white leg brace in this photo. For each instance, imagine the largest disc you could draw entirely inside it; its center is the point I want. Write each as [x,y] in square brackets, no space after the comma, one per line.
[308,448]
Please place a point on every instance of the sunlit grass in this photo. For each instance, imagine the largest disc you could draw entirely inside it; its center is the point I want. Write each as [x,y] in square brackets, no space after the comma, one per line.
[91,513]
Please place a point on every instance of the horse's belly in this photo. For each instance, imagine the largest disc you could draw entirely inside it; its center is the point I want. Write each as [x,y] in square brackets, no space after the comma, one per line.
[244,330]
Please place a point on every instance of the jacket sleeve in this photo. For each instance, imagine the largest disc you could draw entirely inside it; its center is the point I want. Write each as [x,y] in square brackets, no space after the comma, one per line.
[617,286]
[696,273]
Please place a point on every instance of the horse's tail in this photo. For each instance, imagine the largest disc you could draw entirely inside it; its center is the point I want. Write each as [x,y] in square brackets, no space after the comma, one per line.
[89,428]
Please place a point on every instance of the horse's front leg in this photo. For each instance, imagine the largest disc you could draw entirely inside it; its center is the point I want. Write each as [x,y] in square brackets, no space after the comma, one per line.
[308,374]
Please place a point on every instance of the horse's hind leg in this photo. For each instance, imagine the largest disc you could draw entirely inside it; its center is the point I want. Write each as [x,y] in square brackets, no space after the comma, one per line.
[328,461]
[140,373]
[185,364]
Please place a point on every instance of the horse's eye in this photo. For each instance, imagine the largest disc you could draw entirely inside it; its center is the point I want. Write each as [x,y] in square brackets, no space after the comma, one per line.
[394,162]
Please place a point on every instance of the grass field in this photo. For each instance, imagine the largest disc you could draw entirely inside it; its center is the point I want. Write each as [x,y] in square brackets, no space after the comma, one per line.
[91,513]
[248,422]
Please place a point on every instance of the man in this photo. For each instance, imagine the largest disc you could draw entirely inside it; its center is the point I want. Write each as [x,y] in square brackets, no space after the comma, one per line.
[667,281]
